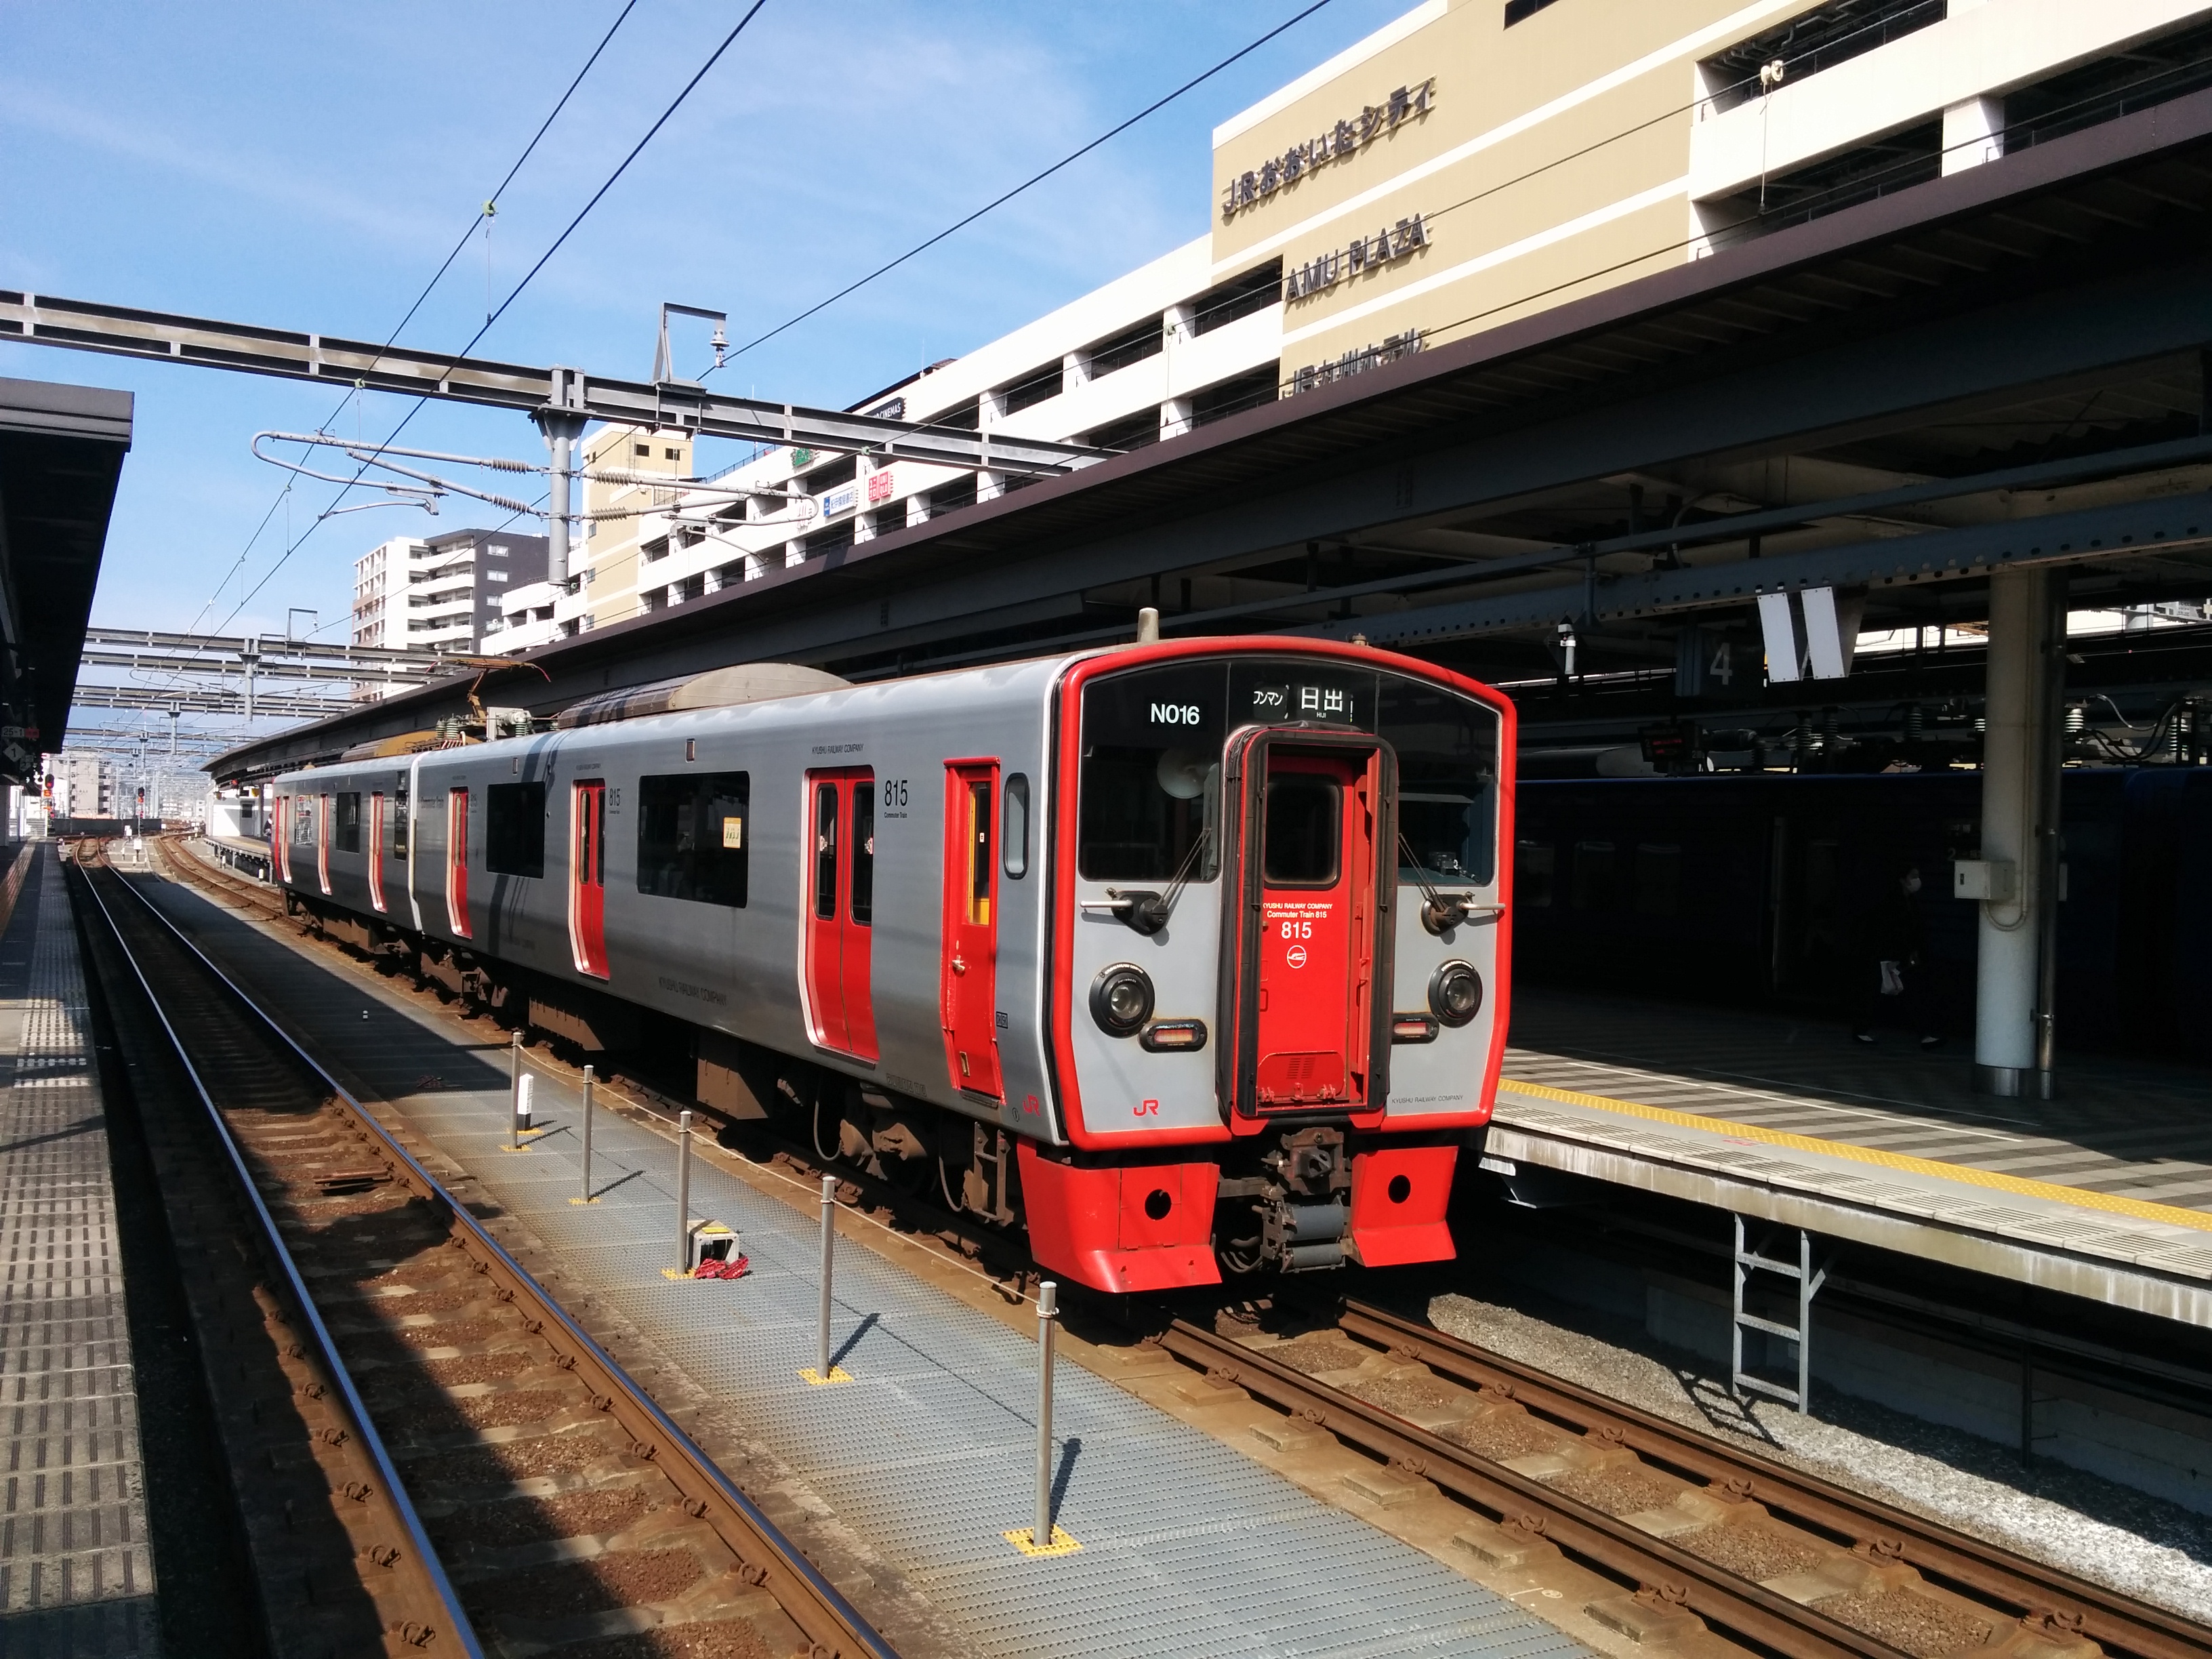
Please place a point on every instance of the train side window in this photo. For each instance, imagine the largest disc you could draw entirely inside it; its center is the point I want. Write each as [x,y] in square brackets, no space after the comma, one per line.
[303,820]
[864,855]
[979,847]
[1594,875]
[514,829]
[399,822]
[1535,864]
[1658,879]
[825,850]
[1014,826]
[347,835]
[692,839]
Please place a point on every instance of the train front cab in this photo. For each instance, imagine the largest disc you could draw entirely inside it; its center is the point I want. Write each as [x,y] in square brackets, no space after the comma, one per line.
[1281,939]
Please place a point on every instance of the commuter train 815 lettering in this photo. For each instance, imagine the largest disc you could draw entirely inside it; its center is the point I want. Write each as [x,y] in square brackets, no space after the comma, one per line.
[1186,956]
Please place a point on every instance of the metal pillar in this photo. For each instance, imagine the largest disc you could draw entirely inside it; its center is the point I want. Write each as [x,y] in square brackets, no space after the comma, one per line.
[2016,967]
[589,1080]
[822,1367]
[683,1193]
[563,424]
[1047,1320]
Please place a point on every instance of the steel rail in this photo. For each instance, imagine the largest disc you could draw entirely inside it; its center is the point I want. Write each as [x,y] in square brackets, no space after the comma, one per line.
[767,1559]
[2117,1623]
[1738,1606]
[303,1303]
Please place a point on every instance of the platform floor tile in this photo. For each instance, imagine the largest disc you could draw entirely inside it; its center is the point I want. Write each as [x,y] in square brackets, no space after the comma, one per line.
[929,1454]
[77,1578]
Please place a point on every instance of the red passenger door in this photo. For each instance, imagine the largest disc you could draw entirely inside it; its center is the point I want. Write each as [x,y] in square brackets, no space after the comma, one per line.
[1311,816]
[280,834]
[841,910]
[969,972]
[376,852]
[322,843]
[588,877]
[457,860]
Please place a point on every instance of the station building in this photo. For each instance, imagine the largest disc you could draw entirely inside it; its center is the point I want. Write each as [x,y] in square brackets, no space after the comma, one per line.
[1473,163]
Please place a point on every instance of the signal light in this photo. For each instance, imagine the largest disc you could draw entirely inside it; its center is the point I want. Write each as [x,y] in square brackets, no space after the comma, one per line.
[1413,1028]
[1174,1036]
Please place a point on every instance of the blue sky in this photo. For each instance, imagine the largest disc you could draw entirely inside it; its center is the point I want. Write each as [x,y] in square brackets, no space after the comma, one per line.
[308,167]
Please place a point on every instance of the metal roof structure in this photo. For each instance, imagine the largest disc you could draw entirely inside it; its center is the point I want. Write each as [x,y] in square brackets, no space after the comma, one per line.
[61,455]
[2001,366]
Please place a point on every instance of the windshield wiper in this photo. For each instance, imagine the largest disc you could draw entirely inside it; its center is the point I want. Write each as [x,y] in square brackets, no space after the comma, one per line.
[1142,909]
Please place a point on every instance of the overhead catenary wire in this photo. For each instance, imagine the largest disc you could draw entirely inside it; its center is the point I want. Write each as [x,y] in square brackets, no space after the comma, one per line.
[490,205]
[515,293]
[1033,181]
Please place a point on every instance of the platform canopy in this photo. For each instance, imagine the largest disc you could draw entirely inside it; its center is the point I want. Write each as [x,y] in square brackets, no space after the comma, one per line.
[61,455]
[1885,404]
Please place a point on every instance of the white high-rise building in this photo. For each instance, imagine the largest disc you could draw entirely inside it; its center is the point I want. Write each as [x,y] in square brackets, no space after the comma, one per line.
[439,593]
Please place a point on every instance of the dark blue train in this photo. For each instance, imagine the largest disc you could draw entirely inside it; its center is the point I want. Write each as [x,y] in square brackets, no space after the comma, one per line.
[1755,889]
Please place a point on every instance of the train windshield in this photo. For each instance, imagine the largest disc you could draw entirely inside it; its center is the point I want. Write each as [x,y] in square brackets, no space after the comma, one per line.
[1447,782]
[1153,740]
[1150,799]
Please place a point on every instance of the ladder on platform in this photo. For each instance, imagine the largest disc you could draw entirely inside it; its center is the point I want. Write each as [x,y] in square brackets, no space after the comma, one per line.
[1749,1261]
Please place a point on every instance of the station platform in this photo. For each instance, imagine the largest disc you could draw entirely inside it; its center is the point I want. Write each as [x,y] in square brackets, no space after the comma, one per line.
[928,1453]
[77,1574]
[248,857]
[2104,1191]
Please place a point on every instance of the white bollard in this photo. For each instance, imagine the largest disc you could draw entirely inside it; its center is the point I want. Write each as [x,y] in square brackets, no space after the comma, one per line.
[683,1192]
[514,1093]
[829,1262]
[588,1081]
[1048,1321]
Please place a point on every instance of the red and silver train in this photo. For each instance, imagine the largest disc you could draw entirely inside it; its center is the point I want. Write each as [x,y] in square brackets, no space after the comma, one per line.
[1185,956]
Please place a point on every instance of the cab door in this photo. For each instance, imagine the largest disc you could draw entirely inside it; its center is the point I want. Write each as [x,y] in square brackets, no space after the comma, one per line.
[376,852]
[970,966]
[840,922]
[1313,823]
[587,877]
[457,861]
[280,836]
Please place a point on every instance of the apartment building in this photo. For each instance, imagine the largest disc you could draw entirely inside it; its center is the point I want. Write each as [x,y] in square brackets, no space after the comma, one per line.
[1473,163]
[440,592]
[85,784]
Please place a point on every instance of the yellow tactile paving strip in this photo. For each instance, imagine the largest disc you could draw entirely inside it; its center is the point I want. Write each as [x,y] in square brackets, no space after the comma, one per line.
[2080,1198]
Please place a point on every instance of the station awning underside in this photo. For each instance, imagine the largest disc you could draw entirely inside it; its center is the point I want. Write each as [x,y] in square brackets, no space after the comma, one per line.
[61,454]
[2003,366]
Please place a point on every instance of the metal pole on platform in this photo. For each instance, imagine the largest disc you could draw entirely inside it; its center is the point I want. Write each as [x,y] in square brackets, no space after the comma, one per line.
[514,1093]
[589,1080]
[828,1261]
[1047,1312]
[683,1192]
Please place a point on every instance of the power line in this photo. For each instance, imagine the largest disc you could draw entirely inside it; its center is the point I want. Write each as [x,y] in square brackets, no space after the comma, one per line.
[437,276]
[1037,178]
[635,150]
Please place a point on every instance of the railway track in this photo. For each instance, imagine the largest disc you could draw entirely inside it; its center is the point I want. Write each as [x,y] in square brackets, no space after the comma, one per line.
[1673,1537]
[492,1480]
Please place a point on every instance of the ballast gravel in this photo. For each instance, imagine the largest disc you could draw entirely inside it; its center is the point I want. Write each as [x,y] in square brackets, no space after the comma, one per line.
[2129,1541]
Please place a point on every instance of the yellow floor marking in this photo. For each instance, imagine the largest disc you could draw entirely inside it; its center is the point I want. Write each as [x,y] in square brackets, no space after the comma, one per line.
[1062,1543]
[814,1379]
[2080,1197]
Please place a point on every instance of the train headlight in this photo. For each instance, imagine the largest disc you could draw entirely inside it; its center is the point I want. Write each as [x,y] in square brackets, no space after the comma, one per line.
[1121,998]
[1455,993]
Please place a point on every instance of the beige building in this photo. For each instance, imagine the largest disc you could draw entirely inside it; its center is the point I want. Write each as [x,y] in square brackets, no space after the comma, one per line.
[1473,163]
[1476,162]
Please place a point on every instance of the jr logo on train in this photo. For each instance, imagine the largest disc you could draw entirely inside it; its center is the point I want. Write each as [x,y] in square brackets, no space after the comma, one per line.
[1187,958]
